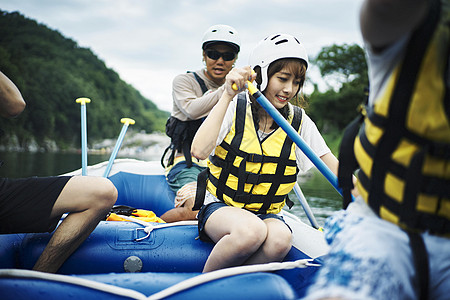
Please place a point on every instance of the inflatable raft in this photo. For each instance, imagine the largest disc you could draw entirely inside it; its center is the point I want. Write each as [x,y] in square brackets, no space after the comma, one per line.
[139,260]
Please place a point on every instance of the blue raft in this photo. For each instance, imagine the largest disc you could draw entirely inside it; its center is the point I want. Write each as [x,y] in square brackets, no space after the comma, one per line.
[128,260]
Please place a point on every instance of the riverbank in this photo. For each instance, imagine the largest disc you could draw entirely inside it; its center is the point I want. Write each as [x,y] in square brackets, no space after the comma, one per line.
[134,144]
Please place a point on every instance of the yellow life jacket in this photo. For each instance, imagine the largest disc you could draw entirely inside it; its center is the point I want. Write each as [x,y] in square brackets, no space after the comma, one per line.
[403,147]
[250,174]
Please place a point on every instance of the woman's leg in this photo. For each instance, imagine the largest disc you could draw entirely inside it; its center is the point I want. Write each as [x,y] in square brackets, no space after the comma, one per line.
[238,234]
[277,244]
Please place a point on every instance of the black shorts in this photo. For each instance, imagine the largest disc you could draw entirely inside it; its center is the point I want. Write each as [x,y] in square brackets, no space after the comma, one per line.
[207,210]
[26,203]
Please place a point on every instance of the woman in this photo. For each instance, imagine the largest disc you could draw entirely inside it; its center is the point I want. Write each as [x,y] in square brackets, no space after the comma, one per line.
[254,164]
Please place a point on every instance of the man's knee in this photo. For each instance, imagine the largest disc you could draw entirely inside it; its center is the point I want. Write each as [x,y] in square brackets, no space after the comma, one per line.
[109,193]
[103,192]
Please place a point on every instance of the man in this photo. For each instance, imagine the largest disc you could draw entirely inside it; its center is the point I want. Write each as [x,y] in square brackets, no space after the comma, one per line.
[37,204]
[194,95]
[393,241]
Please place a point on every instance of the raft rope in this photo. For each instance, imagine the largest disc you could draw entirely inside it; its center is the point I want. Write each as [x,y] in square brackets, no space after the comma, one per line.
[214,275]
[179,287]
[149,226]
[94,285]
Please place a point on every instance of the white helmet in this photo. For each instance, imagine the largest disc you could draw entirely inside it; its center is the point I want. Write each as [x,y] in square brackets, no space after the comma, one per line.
[221,33]
[272,48]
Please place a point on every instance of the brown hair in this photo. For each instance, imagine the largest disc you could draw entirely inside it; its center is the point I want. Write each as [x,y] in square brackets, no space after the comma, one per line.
[298,68]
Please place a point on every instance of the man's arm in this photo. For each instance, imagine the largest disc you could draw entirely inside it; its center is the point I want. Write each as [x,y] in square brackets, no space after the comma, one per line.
[11,101]
[184,92]
[385,21]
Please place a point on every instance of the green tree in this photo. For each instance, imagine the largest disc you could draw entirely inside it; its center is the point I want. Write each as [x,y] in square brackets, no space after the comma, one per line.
[346,66]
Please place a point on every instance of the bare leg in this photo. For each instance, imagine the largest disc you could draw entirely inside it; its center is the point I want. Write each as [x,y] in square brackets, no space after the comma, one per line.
[88,200]
[238,234]
[183,211]
[179,214]
[276,246]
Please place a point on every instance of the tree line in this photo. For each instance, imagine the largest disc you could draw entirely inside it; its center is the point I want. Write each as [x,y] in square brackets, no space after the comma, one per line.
[52,71]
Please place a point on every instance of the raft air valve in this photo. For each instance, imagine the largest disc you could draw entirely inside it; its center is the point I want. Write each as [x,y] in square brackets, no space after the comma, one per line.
[132,264]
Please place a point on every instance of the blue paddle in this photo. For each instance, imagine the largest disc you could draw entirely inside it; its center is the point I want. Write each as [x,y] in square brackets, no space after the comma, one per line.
[83,102]
[290,131]
[301,198]
[126,122]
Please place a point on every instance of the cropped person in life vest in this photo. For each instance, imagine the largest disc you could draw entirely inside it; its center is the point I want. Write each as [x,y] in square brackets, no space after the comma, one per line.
[36,204]
[194,95]
[253,164]
[393,242]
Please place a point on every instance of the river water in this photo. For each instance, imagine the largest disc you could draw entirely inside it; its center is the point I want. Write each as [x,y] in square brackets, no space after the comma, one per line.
[321,196]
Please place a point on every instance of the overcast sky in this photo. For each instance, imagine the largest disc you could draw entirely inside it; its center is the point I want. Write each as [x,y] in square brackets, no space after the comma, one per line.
[149,42]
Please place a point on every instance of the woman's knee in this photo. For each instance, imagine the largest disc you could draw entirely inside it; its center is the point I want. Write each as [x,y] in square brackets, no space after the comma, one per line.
[278,244]
[251,237]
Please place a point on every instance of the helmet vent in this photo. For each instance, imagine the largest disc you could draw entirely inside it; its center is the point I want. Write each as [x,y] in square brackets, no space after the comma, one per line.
[274,37]
[231,32]
[281,42]
[297,40]
[214,30]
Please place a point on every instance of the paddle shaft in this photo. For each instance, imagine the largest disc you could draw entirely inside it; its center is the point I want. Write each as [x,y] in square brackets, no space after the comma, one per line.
[126,122]
[306,207]
[290,131]
[83,141]
[83,102]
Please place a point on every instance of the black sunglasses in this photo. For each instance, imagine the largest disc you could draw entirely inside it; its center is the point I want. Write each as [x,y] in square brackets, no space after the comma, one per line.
[215,55]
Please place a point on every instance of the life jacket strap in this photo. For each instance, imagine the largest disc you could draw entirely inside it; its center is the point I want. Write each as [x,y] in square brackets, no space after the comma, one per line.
[347,160]
[420,258]
[201,189]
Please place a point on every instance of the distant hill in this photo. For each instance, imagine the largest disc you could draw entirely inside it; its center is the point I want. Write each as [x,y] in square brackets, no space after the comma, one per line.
[52,71]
